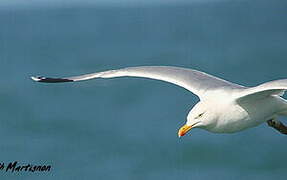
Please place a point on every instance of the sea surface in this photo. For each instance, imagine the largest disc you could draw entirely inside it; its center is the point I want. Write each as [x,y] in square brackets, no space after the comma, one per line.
[126,128]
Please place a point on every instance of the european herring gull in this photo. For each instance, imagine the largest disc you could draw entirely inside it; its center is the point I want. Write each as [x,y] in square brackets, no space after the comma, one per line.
[224,107]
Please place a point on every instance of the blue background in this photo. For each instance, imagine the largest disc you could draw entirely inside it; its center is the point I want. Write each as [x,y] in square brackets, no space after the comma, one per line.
[126,128]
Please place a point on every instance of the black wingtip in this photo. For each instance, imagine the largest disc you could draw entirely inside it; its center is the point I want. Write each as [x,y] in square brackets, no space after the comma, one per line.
[50,80]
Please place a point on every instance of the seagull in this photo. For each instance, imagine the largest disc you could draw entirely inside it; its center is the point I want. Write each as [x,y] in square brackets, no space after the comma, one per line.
[224,107]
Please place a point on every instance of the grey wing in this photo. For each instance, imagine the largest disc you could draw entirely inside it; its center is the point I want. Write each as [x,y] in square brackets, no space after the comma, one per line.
[195,81]
[277,87]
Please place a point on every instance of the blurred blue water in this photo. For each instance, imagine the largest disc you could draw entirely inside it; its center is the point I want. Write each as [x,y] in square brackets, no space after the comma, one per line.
[126,128]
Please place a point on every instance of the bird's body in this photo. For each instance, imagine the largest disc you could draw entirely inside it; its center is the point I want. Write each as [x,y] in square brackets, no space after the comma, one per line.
[224,107]
[231,117]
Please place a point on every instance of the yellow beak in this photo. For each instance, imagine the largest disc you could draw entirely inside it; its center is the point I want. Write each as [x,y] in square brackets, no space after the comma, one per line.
[183,130]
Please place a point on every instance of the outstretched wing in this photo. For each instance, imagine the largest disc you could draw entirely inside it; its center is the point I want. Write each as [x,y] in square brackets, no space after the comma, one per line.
[277,87]
[195,81]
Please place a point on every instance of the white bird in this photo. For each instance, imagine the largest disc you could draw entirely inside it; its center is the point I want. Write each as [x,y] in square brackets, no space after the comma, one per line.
[224,107]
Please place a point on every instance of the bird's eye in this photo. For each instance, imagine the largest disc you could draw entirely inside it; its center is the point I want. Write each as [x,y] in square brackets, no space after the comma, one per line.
[200,115]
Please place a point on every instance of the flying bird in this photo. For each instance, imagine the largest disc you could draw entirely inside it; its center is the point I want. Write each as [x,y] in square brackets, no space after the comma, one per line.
[224,107]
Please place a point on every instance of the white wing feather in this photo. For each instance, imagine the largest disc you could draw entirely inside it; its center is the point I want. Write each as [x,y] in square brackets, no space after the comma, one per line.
[277,87]
[195,81]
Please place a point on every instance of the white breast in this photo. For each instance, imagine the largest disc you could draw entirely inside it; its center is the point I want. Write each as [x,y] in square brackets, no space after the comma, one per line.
[234,117]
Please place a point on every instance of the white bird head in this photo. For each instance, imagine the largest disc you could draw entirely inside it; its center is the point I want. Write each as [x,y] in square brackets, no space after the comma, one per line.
[200,116]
